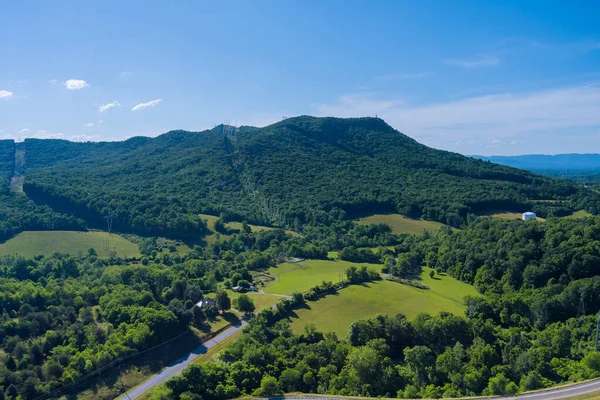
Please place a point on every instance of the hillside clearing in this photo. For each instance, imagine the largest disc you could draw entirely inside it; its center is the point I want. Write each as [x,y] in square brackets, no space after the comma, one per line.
[401,224]
[580,214]
[300,277]
[33,243]
[211,219]
[335,313]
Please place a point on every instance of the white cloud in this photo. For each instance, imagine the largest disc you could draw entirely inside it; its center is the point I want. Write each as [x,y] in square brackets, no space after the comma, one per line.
[53,81]
[403,77]
[484,118]
[496,141]
[141,106]
[89,125]
[487,61]
[82,138]
[125,74]
[108,106]
[24,130]
[100,121]
[5,94]
[76,84]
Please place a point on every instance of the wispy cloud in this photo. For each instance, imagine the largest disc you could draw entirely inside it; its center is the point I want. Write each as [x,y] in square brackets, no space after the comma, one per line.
[76,84]
[125,74]
[82,138]
[89,125]
[108,106]
[141,106]
[403,77]
[24,130]
[484,61]
[482,118]
[53,81]
[5,94]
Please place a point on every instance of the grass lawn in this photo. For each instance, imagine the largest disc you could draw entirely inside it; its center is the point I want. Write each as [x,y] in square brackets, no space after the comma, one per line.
[300,277]
[401,224]
[335,313]
[33,243]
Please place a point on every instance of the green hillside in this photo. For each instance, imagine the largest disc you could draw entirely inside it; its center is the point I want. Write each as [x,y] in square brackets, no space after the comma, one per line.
[297,172]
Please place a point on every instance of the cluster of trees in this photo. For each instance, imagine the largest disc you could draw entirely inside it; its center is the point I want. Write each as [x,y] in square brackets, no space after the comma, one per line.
[64,317]
[17,212]
[429,357]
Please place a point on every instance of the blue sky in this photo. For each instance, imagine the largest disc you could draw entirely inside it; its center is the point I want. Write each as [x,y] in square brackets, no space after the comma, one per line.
[507,77]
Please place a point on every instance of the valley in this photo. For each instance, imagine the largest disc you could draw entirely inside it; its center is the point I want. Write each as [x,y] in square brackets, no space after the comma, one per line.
[353,247]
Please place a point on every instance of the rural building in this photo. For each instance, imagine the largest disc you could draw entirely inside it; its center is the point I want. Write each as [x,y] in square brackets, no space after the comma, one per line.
[238,289]
[206,302]
[528,215]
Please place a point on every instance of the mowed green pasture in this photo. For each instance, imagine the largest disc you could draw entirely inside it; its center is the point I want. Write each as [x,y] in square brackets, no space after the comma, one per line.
[301,276]
[33,243]
[335,313]
[401,224]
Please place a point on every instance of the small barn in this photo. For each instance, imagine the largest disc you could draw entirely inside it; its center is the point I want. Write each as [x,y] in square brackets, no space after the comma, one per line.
[528,215]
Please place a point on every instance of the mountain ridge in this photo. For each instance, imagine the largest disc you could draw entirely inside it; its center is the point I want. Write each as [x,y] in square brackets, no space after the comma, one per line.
[300,171]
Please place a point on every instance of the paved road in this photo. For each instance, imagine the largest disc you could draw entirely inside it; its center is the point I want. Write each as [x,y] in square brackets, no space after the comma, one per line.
[560,393]
[176,367]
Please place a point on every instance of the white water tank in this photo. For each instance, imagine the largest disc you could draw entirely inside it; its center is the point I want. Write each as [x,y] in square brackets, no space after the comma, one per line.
[528,215]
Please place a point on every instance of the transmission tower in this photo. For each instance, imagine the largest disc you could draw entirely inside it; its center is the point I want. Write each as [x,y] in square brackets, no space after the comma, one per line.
[109,221]
[581,309]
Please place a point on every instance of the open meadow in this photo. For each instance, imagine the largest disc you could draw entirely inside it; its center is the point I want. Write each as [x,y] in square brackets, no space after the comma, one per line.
[301,276]
[33,243]
[335,313]
[401,224]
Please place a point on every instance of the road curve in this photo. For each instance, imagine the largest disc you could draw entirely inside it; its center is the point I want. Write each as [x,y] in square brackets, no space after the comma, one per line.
[179,365]
[566,392]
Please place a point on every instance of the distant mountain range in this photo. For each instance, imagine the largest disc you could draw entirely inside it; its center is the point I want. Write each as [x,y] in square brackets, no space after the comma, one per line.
[568,163]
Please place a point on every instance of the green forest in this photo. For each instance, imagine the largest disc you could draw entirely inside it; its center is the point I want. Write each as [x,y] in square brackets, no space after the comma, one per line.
[294,190]
[301,171]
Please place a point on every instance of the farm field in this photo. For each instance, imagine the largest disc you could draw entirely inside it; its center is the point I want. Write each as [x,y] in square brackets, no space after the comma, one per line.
[335,313]
[300,277]
[33,243]
[401,224]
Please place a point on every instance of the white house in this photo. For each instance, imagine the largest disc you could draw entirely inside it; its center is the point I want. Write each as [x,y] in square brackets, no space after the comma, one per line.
[528,215]
[205,302]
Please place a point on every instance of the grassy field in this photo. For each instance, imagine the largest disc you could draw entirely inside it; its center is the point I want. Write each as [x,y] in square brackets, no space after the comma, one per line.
[401,224]
[33,243]
[335,313]
[211,219]
[579,214]
[300,277]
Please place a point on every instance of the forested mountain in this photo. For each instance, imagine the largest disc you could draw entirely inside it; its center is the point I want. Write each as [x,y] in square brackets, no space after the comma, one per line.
[299,171]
